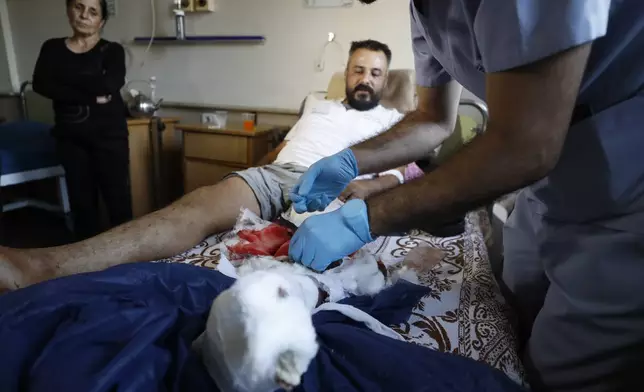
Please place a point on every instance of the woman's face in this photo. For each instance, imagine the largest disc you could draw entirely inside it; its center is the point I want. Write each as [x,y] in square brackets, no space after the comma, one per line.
[85,16]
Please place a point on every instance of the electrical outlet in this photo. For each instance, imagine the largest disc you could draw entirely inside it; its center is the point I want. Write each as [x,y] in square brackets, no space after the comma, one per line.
[204,5]
[187,5]
[208,118]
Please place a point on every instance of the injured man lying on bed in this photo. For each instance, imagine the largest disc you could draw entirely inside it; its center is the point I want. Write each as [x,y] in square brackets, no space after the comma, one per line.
[324,128]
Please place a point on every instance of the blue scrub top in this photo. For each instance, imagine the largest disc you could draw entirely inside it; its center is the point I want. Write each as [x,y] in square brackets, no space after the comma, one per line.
[600,176]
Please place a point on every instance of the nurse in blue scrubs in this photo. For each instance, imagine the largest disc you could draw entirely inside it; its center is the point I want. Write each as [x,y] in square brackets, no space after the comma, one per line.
[564,83]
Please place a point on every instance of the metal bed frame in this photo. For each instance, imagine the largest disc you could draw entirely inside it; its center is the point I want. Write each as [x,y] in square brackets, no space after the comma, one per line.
[36,175]
[481,108]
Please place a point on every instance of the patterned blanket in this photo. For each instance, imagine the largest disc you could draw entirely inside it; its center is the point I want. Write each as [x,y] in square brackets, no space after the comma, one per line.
[464,313]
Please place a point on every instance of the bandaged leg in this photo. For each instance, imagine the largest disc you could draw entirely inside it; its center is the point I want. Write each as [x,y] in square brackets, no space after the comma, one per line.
[259,335]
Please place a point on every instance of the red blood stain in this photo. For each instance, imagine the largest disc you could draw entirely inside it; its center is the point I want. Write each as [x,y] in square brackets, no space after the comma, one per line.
[271,241]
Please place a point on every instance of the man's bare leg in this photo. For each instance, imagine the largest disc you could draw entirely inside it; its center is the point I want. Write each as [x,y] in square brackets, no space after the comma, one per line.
[161,234]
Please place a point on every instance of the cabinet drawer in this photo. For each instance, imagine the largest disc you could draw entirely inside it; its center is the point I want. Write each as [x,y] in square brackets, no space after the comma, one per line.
[217,147]
[200,173]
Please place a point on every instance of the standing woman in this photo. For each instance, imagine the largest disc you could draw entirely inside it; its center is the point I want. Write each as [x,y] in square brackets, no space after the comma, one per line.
[83,76]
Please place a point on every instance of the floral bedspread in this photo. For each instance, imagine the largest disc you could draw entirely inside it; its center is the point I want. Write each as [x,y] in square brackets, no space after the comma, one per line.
[464,313]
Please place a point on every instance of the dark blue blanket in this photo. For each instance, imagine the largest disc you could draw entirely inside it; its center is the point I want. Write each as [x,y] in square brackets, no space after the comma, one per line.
[130,328]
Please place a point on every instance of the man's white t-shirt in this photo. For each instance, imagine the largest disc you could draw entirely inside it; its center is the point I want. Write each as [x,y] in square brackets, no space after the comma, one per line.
[328,127]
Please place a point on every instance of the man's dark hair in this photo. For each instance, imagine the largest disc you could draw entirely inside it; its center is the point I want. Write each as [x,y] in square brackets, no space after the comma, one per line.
[104,12]
[372,45]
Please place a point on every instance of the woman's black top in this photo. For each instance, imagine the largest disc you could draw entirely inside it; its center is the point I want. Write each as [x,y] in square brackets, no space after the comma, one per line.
[73,81]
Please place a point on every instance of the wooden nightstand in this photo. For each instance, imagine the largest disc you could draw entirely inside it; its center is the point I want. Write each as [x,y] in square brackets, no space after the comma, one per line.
[210,154]
[146,195]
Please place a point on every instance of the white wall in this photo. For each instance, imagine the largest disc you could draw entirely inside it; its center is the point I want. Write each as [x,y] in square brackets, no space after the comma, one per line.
[277,74]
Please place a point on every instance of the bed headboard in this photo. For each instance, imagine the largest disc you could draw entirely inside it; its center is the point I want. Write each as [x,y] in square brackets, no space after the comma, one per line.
[399,94]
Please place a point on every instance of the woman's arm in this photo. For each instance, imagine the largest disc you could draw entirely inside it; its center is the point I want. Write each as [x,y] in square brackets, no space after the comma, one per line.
[47,84]
[115,69]
[113,77]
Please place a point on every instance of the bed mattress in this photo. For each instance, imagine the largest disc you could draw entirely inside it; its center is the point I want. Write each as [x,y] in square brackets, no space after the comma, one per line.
[464,312]
[25,146]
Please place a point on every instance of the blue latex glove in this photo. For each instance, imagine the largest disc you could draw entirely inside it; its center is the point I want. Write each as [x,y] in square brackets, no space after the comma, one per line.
[324,181]
[323,239]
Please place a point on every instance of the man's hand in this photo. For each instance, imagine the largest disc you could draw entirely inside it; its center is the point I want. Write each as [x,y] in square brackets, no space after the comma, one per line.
[362,189]
[324,181]
[323,239]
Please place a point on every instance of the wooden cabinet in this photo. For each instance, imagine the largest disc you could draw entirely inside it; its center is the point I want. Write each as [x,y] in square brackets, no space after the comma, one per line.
[147,194]
[210,154]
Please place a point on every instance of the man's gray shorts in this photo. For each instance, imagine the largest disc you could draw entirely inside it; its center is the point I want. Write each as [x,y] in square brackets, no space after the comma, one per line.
[271,185]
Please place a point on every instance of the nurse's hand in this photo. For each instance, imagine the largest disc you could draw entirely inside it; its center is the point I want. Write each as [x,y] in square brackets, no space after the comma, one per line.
[323,239]
[324,181]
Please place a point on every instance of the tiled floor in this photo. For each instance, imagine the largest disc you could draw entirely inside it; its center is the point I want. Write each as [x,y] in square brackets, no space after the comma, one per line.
[32,228]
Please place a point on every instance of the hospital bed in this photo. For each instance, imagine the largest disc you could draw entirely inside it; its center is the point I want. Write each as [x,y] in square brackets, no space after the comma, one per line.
[465,312]
[27,154]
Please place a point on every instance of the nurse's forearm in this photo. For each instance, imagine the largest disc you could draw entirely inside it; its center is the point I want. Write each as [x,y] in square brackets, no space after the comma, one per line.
[414,137]
[530,112]
[489,167]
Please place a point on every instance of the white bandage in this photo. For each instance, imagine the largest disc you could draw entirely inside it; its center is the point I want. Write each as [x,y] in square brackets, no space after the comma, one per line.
[396,173]
[259,335]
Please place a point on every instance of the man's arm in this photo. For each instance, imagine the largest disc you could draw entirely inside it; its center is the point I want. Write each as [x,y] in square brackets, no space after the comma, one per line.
[416,135]
[271,156]
[530,110]
[363,189]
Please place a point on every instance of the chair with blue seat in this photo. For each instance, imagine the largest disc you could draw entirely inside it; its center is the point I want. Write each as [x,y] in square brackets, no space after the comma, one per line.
[28,153]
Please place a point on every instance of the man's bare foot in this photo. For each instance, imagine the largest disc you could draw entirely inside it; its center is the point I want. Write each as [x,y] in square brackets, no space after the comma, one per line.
[18,269]
[11,278]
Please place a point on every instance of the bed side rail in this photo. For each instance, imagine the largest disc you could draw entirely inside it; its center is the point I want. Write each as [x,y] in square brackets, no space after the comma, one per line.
[24,110]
